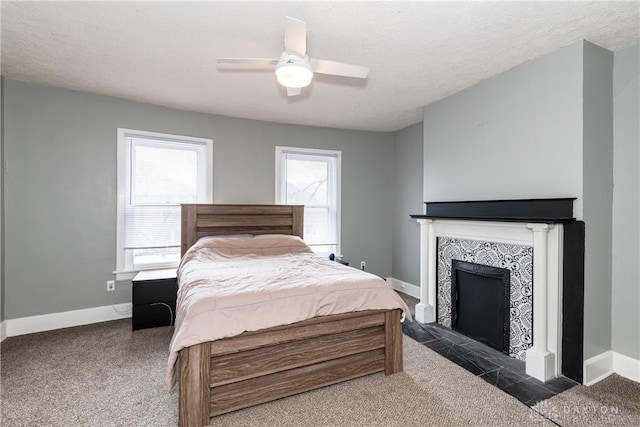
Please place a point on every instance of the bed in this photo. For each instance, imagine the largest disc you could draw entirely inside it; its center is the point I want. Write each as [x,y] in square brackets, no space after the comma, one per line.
[258,366]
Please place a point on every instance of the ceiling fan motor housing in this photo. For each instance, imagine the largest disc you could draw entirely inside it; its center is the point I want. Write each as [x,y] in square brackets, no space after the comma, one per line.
[294,71]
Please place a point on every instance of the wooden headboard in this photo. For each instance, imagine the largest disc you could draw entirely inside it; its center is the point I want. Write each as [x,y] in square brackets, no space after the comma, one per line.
[212,220]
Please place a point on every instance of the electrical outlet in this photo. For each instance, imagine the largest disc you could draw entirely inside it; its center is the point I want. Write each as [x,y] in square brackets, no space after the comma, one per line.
[111,285]
[363,265]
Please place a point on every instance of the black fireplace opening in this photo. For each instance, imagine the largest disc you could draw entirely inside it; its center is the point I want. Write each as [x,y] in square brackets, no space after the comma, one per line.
[480,296]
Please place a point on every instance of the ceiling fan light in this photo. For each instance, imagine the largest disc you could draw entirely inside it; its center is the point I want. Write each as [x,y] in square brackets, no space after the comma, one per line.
[294,76]
[294,71]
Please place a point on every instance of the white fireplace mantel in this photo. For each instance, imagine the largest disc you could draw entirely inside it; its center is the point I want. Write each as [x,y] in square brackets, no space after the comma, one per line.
[543,359]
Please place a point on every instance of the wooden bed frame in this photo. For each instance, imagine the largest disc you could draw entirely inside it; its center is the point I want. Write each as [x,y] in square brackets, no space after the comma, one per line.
[256,367]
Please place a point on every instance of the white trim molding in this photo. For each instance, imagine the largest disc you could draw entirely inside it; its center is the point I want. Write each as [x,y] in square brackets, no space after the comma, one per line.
[67,319]
[626,366]
[540,361]
[543,360]
[404,287]
[597,368]
[3,330]
[604,364]
[426,308]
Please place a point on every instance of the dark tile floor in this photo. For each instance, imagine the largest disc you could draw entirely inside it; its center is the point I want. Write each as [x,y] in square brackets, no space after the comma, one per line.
[496,368]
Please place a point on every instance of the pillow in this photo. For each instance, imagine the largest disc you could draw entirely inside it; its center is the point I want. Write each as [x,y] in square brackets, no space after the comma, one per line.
[271,236]
[278,240]
[223,236]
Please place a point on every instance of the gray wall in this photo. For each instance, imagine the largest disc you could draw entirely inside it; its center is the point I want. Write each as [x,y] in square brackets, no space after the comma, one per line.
[516,135]
[60,200]
[542,129]
[407,200]
[598,197]
[626,203]
[1,201]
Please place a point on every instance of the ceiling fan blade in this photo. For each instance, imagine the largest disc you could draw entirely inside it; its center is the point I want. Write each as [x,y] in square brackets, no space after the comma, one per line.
[291,91]
[295,36]
[323,66]
[259,62]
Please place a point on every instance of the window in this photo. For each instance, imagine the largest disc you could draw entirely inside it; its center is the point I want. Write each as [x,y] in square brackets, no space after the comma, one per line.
[156,173]
[311,178]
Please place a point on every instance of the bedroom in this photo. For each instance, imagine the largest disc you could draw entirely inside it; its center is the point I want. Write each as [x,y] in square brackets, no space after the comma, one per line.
[63,181]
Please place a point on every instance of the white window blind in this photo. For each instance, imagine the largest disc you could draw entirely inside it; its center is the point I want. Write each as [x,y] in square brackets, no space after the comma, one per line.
[156,174]
[311,178]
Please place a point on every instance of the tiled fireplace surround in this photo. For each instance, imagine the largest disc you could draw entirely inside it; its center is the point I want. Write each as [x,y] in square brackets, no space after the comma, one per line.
[518,259]
[543,358]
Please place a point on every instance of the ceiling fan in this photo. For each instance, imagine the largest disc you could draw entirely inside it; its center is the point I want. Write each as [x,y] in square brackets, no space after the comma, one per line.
[294,68]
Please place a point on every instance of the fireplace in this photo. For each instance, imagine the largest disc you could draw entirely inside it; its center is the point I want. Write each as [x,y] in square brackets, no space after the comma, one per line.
[480,297]
[541,245]
[517,259]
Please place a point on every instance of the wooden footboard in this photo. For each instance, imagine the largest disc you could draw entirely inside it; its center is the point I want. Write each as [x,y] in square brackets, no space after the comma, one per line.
[256,367]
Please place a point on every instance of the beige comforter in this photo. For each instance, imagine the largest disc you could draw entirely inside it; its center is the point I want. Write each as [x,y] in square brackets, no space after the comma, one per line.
[231,285]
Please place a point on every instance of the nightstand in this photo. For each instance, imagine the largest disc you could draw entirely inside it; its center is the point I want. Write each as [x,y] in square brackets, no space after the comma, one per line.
[154,298]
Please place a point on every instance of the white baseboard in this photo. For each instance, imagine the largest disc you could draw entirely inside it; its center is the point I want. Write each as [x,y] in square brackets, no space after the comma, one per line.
[597,368]
[626,366]
[3,330]
[601,366]
[404,287]
[67,319]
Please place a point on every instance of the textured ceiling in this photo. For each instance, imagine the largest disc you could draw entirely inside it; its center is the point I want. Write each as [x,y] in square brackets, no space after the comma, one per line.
[418,52]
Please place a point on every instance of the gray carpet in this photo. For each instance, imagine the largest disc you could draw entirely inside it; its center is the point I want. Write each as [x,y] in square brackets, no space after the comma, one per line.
[106,375]
[614,401]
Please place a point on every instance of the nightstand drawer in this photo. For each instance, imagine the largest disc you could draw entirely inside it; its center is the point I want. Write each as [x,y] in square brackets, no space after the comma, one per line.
[154,298]
[154,290]
[153,315]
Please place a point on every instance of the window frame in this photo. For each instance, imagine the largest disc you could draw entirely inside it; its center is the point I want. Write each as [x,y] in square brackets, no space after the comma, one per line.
[124,271]
[280,189]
